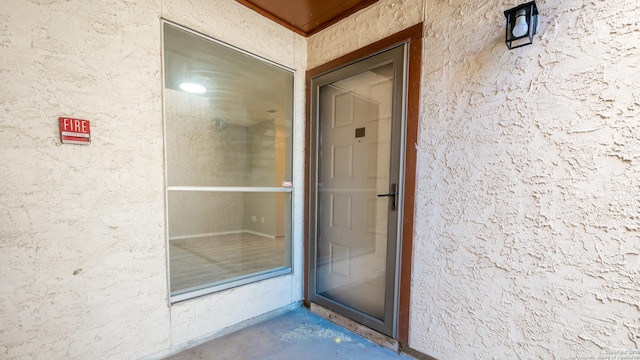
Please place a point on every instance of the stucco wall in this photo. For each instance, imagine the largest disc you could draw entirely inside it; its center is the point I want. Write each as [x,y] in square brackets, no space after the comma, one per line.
[82,228]
[376,22]
[232,23]
[527,225]
[528,219]
[527,241]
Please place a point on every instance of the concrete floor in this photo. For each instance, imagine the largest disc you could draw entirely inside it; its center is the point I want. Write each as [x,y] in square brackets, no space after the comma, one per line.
[296,334]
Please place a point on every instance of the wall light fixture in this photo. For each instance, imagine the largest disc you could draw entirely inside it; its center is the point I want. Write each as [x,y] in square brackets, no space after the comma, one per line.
[522,24]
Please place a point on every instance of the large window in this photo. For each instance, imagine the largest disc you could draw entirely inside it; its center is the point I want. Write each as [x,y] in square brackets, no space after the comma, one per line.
[228,119]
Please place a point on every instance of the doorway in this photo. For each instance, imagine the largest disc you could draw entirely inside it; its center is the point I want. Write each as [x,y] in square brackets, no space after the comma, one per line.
[356,195]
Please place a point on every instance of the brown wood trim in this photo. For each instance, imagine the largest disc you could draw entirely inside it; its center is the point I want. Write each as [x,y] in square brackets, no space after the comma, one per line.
[415,353]
[269,15]
[413,119]
[323,21]
[365,332]
[410,34]
[414,36]
[335,19]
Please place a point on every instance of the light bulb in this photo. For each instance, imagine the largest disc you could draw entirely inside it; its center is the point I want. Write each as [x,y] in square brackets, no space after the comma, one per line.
[193,88]
[521,27]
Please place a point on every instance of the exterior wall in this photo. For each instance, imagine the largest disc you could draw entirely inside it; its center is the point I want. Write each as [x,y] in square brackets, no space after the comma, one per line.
[528,224]
[527,241]
[232,23]
[82,228]
[376,22]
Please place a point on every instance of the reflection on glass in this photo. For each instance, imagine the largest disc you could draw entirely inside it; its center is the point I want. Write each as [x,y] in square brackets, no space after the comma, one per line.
[218,237]
[237,132]
[228,120]
[355,152]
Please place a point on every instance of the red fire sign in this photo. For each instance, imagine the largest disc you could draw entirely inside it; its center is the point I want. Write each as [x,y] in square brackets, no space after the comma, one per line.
[75,131]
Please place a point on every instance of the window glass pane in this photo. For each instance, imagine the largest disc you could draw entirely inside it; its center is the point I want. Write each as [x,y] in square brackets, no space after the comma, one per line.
[234,127]
[228,123]
[218,237]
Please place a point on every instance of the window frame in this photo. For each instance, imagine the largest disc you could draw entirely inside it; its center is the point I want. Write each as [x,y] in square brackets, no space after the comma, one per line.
[251,278]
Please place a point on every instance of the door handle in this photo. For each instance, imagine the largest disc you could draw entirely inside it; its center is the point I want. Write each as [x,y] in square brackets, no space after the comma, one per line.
[391,195]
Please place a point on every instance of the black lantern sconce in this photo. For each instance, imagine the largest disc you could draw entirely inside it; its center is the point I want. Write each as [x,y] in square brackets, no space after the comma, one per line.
[522,24]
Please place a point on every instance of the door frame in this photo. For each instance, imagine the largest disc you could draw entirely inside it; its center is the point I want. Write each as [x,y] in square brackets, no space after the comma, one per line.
[412,36]
[395,57]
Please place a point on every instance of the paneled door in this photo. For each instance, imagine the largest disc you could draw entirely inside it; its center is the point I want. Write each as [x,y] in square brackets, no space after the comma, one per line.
[355,196]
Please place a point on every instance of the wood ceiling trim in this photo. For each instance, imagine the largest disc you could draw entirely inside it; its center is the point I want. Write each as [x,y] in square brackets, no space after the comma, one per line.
[312,23]
[269,15]
[333,15]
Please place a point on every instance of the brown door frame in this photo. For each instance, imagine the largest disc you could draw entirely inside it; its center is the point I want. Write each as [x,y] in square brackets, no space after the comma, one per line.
[413,37]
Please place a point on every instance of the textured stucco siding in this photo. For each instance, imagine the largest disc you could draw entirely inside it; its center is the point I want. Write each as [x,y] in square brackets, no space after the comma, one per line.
[376,22]
[194,320]
[527,240]
[227,21]
[527,225]
[82,261]
[82,228]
